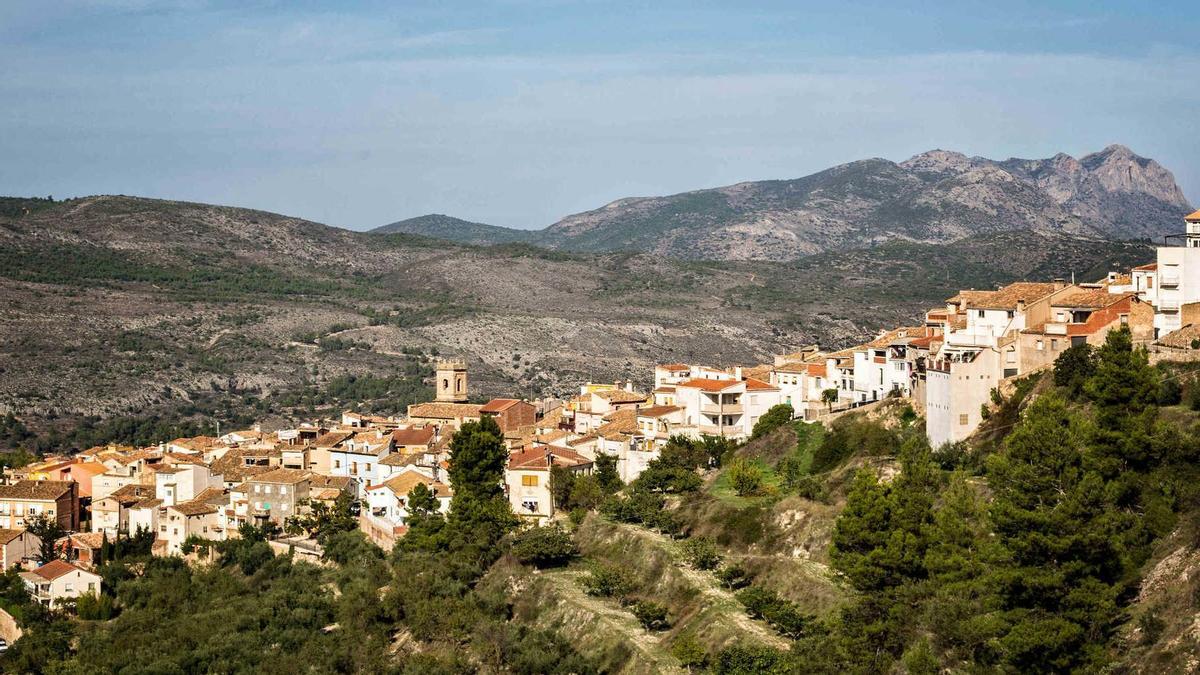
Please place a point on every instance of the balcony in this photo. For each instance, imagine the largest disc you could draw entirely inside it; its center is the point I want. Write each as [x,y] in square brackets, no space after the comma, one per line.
[1168,305]
[728,430]
[1168,279]
[722,409]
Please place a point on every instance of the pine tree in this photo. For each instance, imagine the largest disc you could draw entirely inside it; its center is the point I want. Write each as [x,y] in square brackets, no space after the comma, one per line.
[1123,384]
[1056,584]
[477,461]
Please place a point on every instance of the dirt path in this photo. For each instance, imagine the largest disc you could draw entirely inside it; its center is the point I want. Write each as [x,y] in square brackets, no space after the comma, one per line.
[615,620]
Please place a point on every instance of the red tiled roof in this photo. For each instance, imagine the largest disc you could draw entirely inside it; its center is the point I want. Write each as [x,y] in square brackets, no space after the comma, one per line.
[706,384]
[658,410]
[1193,217]
[413,436]
[1146,268]
[675,366]
[55,569]
[541,458]
[497,405]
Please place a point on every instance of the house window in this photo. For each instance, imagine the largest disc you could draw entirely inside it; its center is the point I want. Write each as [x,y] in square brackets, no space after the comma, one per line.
[530,505]
[980,314]
[337,463]
[529,481]
[962,419]
[283,489]
[1053,344]
[1041,345]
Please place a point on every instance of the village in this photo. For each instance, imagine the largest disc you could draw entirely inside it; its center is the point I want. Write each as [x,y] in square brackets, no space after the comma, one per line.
[204,489]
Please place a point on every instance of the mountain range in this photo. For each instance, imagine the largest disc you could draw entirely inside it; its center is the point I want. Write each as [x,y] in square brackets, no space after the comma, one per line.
[934,197]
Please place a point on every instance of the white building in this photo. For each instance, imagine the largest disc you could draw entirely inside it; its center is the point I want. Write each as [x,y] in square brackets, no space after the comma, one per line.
[956,388]
[58,581]
[725,407]
[527,479]
[358,457]
[1174,281]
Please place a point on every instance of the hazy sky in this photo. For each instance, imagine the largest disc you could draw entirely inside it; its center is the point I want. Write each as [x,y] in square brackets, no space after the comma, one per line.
[517,112]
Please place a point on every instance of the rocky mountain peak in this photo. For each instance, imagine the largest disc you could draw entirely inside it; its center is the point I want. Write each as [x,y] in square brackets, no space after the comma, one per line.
[939,162]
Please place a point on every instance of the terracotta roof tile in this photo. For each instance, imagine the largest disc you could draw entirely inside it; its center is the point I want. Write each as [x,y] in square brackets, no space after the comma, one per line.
[43,490]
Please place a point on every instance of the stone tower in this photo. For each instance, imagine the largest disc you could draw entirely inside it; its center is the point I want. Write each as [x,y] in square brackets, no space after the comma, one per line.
[452,381]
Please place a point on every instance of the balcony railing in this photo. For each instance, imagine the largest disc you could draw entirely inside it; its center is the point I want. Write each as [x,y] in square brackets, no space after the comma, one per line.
[718,409]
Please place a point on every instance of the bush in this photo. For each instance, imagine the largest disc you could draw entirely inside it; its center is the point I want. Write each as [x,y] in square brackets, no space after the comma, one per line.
[577,515]
[1073,367]
[813,489]
[92,607]
[739,660]
[606,581]
[662,478]
[652,615]
[851,436]
[689,651]
[1169,392]
[543,547]
[746,478]
[784,616]
[701,553]
[771,420]
[1151,626]
[734,577]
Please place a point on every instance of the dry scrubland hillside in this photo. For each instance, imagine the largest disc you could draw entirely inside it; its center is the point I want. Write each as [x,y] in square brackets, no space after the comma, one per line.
[119,306]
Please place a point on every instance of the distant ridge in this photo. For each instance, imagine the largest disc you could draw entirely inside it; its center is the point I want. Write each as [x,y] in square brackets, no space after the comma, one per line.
[939,196]
[455,229]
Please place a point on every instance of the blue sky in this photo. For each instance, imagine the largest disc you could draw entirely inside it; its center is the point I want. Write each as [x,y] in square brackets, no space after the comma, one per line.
[517,112]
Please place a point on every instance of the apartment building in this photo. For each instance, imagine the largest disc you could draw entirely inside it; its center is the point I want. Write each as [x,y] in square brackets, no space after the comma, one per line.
[58,500]
[725,407]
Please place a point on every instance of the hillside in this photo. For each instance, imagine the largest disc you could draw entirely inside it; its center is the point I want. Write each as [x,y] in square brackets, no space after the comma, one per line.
[126,307]
[934,197]
[455,229]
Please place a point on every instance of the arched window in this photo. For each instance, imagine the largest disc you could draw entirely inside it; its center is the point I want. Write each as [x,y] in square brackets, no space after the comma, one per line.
[458,384]
[445,384]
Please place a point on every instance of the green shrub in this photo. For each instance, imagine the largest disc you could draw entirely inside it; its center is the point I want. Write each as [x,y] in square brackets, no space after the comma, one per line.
[607,581]
[741,660]
[1169,392]
[771,420]
[746,478]
[577,515]
[734,577]
[651,615]
[701,553]
[812,488]
[784,616]
[851,436]
[1151,626]
[92,607]
[543,547]
[689,651]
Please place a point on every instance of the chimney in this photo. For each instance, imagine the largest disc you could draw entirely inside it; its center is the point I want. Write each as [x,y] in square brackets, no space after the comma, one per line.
[1021,305]
[737,373]
[1060,283]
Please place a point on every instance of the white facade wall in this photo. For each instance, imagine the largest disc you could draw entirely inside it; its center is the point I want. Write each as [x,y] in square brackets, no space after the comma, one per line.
[1177,284]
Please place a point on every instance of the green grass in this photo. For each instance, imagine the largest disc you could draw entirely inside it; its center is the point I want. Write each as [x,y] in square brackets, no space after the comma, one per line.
[809,437]
[771,486]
